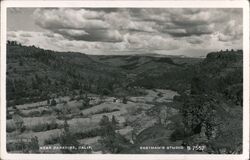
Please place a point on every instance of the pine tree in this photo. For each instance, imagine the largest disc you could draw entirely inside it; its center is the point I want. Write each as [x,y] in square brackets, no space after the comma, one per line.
[67,139]
[114,122]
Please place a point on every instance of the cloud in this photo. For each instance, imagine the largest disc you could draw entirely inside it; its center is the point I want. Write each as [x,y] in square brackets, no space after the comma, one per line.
[45,40]
[175,22]
[91,35]
[59,18]
[120,30]
[24,34]
[151,42]
[196,40]
[78,24]
[102,25]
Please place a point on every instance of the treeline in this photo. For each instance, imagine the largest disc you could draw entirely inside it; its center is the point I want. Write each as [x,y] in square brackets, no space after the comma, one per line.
[213,107]
[33,74]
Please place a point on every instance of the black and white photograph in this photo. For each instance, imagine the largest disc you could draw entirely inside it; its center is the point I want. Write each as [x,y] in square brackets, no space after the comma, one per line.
[124,80]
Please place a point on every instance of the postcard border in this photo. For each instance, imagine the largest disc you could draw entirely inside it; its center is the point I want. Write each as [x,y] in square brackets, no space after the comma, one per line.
[130,4]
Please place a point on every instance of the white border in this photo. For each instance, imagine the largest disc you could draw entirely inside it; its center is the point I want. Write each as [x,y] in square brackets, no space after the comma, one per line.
[128,4]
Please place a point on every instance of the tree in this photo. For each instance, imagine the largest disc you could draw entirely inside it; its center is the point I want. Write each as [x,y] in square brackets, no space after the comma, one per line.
[198,110]
[34,145]
[124,100]
[114,121]
[53,102]
[48,101]
[18,122]
[112,141]
[105,125]
[67,139]
[21,63]
[115,143]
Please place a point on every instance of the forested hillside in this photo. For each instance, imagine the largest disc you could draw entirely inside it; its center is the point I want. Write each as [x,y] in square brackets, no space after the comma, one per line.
[126,101]
[35,74]
[214,107]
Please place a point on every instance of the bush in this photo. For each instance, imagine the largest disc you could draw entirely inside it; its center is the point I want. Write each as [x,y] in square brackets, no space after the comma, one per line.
[18,146]
[10,128]
[106,110]
[106,92]
[34,145]
[178,134]
[23,128]
[84,106]
[24,147]
[88,134]
[110,140]
[46,112]
[34,114]
[52,140]
[124,100]
[9,116]
[53,102]
[68,139]
[41,127]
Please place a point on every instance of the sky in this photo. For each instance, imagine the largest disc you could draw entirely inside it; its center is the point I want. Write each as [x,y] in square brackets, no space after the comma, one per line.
[190,32]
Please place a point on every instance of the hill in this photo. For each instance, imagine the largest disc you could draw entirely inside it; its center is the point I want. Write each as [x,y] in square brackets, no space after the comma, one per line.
[160,100]
[35,74]
[209,115]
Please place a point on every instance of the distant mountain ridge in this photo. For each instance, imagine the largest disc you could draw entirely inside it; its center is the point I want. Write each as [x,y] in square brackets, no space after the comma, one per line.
[36,73]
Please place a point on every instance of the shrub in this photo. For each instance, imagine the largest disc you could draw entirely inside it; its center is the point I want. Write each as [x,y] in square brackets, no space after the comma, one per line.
[46,112]
[114,122]
[84,106]
[10,128]
[106,110]
[34,114]
[68,139]
[53,102]
[44,127]
[124,100]
[34,145]
[52,140]
[110,140]
[178,134]
[39,127]
[52,125]
[88,134]
[8,116]
[23,128]
[106,92]
[24,147]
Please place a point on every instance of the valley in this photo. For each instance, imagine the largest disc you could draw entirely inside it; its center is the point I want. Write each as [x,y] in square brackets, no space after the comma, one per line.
[119,103]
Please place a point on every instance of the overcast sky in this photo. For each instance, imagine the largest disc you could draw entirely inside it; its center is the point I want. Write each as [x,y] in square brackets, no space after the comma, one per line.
[189,32]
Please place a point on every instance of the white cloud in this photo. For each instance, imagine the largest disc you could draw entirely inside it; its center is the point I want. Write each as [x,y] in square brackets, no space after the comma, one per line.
[132,30]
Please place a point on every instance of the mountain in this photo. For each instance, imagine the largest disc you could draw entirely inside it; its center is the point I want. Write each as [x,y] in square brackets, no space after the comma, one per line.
[34,74]
[206,111]
[209,115]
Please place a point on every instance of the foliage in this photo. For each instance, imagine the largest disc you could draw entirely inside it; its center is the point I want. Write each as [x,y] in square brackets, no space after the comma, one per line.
[10,128]
[67,139]
[32,146]
[216,93]
[85,102]
[53,102]
[106,110]
[114,122]
[112,141]
[41,127]
[198,110]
